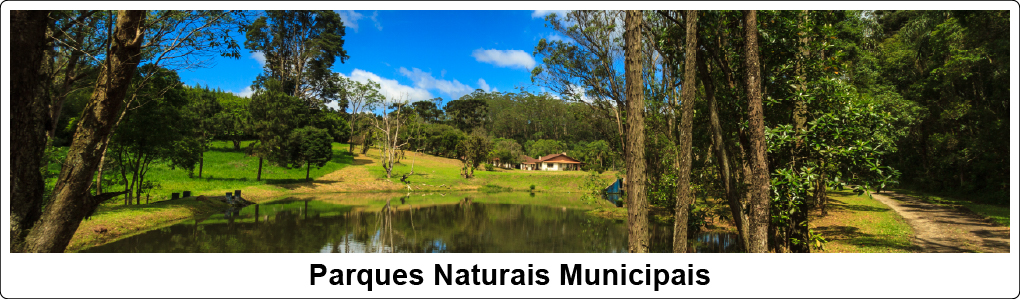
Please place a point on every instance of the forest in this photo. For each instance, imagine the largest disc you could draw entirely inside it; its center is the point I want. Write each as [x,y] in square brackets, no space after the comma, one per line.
[765,110]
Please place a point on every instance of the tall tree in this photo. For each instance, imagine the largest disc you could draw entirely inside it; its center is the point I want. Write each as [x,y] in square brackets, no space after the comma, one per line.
[360,97]
[722,160]
[300,47]
[759,189]
[469,112]
[585,68]
[637,203]
[71,199]
[73,45]
[685,196]
[28,35]
[156,131]
[274,114]
[205,112]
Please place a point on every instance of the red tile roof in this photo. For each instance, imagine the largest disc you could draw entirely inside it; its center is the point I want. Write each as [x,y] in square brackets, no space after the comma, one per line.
[550,157]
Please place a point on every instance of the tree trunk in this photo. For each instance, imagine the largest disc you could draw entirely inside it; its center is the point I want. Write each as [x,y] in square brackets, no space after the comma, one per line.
[201,163]
[637,205]
[759,175]
[71,198]
[308,170]
[350,140]
[820,191]
[722,160]
[684,196]
[28,37]
[258,177]
[237,145]
[799,216]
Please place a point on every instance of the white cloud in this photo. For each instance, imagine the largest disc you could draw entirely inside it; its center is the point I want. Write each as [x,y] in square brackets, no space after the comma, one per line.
[484,86]
[425,80]
[350,19]
[543,13]
[258,56]
[390,88]
[578,92]
[244,93]
[375,20]
[505,58]
[553,37]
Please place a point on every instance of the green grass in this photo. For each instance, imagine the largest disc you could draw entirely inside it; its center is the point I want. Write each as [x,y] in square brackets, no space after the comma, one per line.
[435,171]
[858,223]
[115,222]
[225,170]
[996,213]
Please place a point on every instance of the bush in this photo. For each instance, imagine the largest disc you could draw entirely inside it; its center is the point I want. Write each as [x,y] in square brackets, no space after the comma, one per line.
[489,167]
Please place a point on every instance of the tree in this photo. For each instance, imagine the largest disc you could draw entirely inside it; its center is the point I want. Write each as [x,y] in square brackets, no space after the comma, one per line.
[544,147]
[71,198]
[360,97]
[300,48]
[309,145]
[585,68]
[205,110]
[274,115]
[428,111]
[637,204]
[954,65]
[389,125]
[72,45]
[473,150]
[157,131]
[684,196]
[171,38]
[468,112]
[759,189]
[233,121]
[507,151]
[28,33]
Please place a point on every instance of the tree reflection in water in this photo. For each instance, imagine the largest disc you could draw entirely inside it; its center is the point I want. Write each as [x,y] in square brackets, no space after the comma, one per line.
[413,225]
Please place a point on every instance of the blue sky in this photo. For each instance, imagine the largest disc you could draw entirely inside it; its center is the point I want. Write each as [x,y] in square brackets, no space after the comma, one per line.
[420,54]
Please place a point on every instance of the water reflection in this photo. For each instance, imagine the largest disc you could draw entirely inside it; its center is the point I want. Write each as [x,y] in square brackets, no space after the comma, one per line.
[414,225]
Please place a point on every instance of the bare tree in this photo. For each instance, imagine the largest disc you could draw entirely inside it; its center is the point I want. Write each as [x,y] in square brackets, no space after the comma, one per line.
[389,126]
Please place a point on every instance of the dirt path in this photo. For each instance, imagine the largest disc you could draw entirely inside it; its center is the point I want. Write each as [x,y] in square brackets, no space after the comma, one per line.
[944,229]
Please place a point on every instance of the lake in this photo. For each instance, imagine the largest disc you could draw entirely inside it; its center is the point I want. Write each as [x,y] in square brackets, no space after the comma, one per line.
[387,222]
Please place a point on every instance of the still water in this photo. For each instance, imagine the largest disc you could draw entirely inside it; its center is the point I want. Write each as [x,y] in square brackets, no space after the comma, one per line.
[452,223]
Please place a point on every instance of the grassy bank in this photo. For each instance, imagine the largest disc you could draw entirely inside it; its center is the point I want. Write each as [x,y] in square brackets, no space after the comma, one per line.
[430,172]
[225,170]
[861,224]
[996,213]
[115,222]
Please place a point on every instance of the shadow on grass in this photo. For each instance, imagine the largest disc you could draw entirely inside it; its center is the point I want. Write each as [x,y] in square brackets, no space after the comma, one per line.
[291,184]
[836,204]
[854,236]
